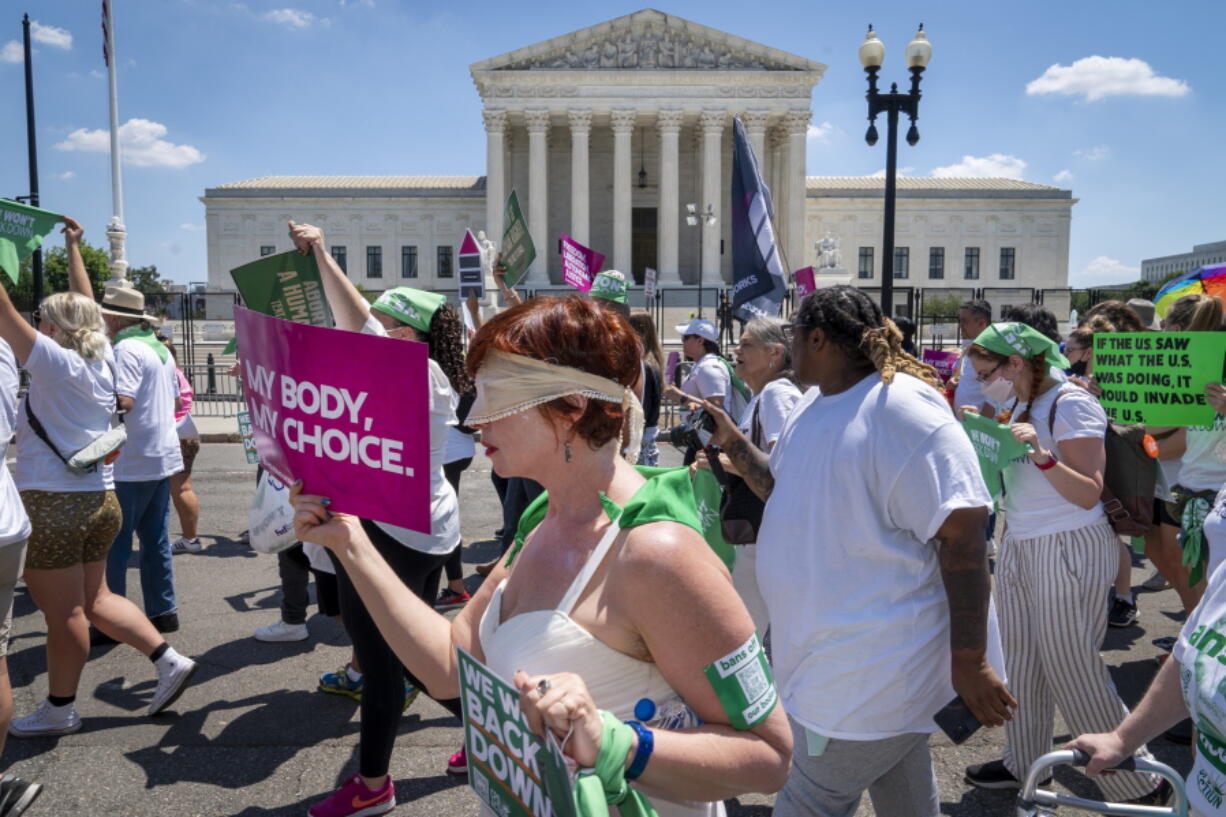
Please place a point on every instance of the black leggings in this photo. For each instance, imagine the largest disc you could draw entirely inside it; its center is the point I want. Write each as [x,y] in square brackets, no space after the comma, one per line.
[453,470]
[383,689]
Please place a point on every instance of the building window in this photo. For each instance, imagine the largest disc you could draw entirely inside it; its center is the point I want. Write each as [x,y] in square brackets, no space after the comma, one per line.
[936,262]
[374,262]
[267,249]
[341,256]
[902,262]
[444,263]
[972,263]
[408,262]
[866,262]
[1008,255]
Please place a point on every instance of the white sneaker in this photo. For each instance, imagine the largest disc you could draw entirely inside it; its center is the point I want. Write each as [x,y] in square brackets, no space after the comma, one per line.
[47,720]
[185,545]
[280,631]
[174,673]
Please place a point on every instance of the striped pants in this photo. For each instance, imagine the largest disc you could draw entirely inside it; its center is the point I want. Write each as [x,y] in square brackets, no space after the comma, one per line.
[1052,593]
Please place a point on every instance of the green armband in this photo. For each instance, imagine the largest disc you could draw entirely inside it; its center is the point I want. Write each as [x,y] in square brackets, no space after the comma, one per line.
[743,683]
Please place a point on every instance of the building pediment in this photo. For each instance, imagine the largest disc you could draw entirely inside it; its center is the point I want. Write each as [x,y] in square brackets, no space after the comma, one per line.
[648,40]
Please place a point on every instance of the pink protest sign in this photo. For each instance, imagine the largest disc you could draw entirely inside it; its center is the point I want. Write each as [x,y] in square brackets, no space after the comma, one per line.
[579,263]
[946,363]
[805,282]
[327,409]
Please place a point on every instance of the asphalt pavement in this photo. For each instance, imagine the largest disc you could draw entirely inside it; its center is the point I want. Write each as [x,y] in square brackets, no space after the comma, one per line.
[253,737]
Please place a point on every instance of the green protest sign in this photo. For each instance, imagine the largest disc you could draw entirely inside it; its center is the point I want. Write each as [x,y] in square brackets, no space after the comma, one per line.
[513,771]
[518,251]
[286,286]
[21,232]
[1158,378]
[995,445]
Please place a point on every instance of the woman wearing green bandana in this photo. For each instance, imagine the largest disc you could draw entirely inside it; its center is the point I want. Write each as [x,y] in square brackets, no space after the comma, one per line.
[1058,556]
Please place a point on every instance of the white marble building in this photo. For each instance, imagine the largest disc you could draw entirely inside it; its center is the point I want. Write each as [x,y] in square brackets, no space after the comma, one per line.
[606,134]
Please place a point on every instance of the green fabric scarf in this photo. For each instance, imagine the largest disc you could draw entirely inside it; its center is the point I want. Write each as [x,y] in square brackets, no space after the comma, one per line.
[605,784]
[145,336]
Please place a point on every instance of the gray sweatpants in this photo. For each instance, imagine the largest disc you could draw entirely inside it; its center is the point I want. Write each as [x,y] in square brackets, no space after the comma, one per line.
[896,772]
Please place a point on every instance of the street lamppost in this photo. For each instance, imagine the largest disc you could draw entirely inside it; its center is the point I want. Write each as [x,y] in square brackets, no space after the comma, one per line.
[694,218]
[872,53]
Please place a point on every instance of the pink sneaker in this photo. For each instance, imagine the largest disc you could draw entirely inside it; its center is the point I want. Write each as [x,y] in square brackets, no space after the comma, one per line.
[355,800]
[458,763]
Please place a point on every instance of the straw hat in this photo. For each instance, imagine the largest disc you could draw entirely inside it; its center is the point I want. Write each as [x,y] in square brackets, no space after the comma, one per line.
[125,302]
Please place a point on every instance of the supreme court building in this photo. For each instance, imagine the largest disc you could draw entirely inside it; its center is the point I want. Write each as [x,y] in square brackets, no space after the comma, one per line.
[606,134]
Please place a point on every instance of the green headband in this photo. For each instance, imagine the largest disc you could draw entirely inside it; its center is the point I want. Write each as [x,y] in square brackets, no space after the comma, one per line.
[416,307]
[1020,339]
[610,285]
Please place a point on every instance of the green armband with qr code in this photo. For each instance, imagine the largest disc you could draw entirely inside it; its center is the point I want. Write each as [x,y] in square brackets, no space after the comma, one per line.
[743,683]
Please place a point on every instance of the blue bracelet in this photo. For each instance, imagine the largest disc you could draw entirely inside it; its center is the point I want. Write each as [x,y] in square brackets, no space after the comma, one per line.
[647,742]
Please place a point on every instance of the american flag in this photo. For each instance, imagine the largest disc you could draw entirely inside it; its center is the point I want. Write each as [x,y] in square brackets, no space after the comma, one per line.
[106,16]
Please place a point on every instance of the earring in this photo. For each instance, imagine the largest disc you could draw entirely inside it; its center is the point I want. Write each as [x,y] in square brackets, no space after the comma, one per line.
[567,454]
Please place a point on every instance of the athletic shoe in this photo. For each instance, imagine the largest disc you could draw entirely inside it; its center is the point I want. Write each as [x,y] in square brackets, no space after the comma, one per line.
[174,674]
[47,720]
[16,795]
[450,600]
[166,622]
[994,775]
[1156,582]
[338,683]
[280,631]
[353,799]
[458,763]
[185,545]
[1123,613]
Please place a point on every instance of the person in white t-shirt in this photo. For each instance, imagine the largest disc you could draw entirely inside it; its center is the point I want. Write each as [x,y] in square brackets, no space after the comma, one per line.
[872,561]
[1058,557]
[73,516]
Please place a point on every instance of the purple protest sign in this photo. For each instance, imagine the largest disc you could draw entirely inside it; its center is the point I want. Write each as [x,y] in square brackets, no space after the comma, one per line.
[805,282]
[579,263]
[946,363]
[327,411]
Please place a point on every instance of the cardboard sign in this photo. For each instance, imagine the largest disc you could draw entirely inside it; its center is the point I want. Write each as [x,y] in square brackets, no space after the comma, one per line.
[325,411]
[805,282]
[21,232]
[472,276]
[649,284]
[946,363]
[579,263]
[513,771]
[246,434]
[996,447]
[1159,378]
[518,251]
[286,286]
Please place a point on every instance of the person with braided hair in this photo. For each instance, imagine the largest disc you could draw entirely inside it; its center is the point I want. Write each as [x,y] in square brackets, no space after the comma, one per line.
[873,628]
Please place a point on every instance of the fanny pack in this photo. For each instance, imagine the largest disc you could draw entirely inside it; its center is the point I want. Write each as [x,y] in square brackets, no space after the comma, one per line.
[102,450]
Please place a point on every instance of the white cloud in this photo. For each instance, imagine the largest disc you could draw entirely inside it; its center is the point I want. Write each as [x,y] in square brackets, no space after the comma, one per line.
[1097,78]
[293,18]
[192,228]
[50,35]
[996,165]
[901,171]
[12,52]
[1103,270]
[1094,154]
[66,175]
[142,143]
[1063,176]
[819,132]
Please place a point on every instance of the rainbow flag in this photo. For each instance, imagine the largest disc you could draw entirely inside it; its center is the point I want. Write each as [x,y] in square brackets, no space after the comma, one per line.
[1210,280]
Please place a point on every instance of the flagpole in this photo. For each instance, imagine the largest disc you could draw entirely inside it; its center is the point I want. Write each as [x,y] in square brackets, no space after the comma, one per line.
[36,260]
[116,233]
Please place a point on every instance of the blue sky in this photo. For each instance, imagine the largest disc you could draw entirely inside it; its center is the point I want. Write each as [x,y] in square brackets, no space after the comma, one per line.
[1119,102]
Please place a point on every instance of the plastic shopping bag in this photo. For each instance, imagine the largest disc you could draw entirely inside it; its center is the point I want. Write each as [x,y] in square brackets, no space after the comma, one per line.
[271,518]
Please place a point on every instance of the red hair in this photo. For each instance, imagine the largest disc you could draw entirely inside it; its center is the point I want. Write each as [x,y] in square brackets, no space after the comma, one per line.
[568,331]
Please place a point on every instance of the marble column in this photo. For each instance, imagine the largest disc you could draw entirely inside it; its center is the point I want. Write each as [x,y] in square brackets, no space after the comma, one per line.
[797,124]
[623,130]
[668,122]
[755,128]
[580,189]
[538,193]
[495,172]
[712,125]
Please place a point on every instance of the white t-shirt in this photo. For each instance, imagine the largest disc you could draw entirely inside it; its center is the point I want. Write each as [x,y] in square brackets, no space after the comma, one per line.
[708,378]
[75,400]
[859,617]
[444,506]
[1215,533]
[152,451]
[14,524]
[1033,507]
[1203,465]
[1202,677]
[773,404]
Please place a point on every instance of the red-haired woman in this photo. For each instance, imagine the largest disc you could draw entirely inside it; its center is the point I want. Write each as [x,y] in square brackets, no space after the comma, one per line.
[584,618]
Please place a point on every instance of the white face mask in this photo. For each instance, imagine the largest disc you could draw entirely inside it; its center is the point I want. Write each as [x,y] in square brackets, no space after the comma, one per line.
[998,391]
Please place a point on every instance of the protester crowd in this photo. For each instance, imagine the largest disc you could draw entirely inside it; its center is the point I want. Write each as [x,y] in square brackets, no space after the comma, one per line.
[858,541]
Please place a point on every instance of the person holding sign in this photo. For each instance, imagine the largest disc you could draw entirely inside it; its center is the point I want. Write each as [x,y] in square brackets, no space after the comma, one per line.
[1058,555]
[584,619]
[416,559]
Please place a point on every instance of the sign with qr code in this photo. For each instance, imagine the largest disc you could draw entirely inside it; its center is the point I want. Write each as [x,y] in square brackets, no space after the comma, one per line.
[742,680]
